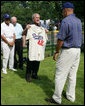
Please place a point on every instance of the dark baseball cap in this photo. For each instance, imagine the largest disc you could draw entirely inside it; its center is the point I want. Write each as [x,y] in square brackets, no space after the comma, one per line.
[6,16]
[68,5]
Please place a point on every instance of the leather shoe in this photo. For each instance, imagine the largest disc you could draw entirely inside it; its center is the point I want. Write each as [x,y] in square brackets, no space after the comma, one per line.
[36,77]
[28,78]
[21,68]
[51,100]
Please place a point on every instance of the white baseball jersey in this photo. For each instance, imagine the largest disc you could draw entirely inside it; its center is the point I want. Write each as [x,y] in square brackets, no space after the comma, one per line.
[7,31]
[37,42]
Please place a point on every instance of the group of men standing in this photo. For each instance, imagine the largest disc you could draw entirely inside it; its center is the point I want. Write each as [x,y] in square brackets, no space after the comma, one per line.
[13,40]
[69,41]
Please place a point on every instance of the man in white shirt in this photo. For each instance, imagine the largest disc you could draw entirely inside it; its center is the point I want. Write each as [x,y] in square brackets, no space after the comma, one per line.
[37,41]
[7,43]
[18,43]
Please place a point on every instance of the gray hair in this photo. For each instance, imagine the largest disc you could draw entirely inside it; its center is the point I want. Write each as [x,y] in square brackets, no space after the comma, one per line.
[34,15]
[13,18]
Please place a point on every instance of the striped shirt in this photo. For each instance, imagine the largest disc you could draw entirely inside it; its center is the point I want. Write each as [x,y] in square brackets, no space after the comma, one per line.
[71,32]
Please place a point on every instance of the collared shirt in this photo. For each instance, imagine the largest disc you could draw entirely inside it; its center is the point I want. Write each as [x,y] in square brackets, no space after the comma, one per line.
[8,31]
[71,32]
[18,31]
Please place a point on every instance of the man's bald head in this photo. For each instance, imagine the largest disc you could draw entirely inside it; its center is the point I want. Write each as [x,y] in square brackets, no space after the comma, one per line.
[14,20]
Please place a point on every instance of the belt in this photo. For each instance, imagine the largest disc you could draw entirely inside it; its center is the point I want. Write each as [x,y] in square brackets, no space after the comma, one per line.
[19,39]
[69,47]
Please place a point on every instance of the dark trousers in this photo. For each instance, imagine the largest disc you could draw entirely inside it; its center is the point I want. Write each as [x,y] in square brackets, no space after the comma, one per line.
[19,51]
[32,67]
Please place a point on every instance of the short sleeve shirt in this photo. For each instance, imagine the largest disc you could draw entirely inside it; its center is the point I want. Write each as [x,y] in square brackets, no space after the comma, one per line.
[7,31]
[71,32]
[18,31]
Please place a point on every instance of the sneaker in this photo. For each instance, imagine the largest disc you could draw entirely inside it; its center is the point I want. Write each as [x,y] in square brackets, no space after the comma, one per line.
[4,71]
[70,99]
[12,69]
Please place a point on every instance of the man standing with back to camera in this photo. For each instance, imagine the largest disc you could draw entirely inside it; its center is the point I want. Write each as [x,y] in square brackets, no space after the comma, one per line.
[70,40]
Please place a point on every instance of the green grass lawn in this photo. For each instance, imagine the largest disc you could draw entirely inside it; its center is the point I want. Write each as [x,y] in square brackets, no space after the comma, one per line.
[16,91]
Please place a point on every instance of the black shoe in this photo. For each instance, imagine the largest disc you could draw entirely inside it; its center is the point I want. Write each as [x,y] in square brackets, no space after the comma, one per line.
[35,77]
[51,100]
[21,68]
[28,78]
[15,67]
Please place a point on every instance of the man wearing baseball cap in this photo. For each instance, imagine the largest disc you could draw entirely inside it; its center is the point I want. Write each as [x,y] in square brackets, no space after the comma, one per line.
[7,42]
[69,41]
[6,16]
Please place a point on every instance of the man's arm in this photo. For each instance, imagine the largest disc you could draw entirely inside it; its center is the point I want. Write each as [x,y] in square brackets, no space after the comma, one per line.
[23,37]
[7,42]
[4,39]
[63,31]
[25,30]
[13,37]
[24,33]
[58,47]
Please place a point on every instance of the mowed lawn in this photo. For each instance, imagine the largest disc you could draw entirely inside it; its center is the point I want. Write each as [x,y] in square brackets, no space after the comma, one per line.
[16,91]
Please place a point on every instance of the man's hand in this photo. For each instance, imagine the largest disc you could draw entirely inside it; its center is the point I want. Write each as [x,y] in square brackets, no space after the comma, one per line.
[55,56]
[46,30]
[11,43]
[28,26]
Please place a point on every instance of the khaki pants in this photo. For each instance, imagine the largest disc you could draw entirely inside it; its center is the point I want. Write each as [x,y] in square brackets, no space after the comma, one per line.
[66,68]
[8,54]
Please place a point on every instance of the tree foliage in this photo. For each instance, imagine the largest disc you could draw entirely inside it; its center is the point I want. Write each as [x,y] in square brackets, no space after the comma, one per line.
[23,10]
